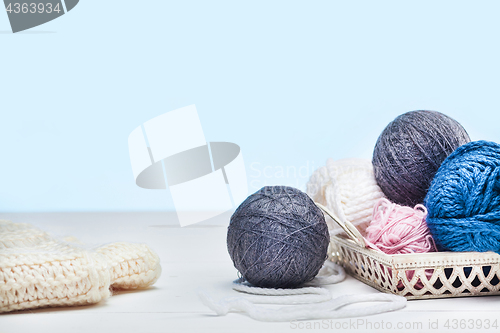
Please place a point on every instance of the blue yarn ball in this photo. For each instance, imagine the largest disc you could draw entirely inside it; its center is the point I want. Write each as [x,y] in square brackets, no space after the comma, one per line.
[463,200]
[278,238]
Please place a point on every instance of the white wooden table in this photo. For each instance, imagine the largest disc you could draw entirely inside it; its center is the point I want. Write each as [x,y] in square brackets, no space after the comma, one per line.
[196,257]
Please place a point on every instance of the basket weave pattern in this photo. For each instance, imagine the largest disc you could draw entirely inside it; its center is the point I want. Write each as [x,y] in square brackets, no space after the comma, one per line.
[420,276]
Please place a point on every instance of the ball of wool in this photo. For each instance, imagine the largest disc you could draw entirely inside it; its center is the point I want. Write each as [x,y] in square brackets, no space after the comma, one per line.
[409,152]
[396,229]
[346,187]
[464,199]
[278,238]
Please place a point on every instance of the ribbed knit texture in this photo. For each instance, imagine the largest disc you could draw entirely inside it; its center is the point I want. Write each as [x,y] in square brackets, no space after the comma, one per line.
[37,270]
[463,201]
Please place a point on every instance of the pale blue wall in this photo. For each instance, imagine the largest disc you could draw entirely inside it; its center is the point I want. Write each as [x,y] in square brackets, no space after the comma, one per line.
[291,82]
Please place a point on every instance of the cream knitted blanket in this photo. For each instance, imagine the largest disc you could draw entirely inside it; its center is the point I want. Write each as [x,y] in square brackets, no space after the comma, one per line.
[37,270]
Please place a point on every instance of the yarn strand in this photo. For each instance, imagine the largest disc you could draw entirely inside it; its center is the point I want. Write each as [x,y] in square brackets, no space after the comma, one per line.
[307,303]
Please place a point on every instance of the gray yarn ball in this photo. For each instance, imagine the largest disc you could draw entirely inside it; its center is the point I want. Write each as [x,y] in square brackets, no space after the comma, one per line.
[278,238]
[409,152]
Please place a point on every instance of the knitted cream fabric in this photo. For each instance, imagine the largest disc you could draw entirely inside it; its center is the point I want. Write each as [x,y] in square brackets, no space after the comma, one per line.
[37,270]
[348,188]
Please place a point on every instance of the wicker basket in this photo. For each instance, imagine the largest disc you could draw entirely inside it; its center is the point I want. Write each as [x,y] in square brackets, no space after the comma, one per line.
[415,276]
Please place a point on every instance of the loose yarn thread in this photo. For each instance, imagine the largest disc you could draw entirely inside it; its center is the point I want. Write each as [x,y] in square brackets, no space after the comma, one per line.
[307,303]
[278,238]
[396,229]
[409,152]
[464,199]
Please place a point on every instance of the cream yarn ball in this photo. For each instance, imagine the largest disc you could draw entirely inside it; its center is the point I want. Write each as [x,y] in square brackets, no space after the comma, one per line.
[348,188]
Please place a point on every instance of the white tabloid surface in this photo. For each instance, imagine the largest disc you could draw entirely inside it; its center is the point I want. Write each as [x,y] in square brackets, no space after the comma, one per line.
[196,257]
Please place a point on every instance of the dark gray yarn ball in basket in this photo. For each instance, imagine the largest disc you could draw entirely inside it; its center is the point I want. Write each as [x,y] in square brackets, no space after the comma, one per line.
[278,238]
[409,152]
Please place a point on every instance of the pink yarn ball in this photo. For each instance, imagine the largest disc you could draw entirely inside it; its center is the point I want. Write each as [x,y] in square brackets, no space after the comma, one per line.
[396,229]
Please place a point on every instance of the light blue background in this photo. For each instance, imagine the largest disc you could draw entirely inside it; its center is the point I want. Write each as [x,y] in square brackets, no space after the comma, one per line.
[291,82]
